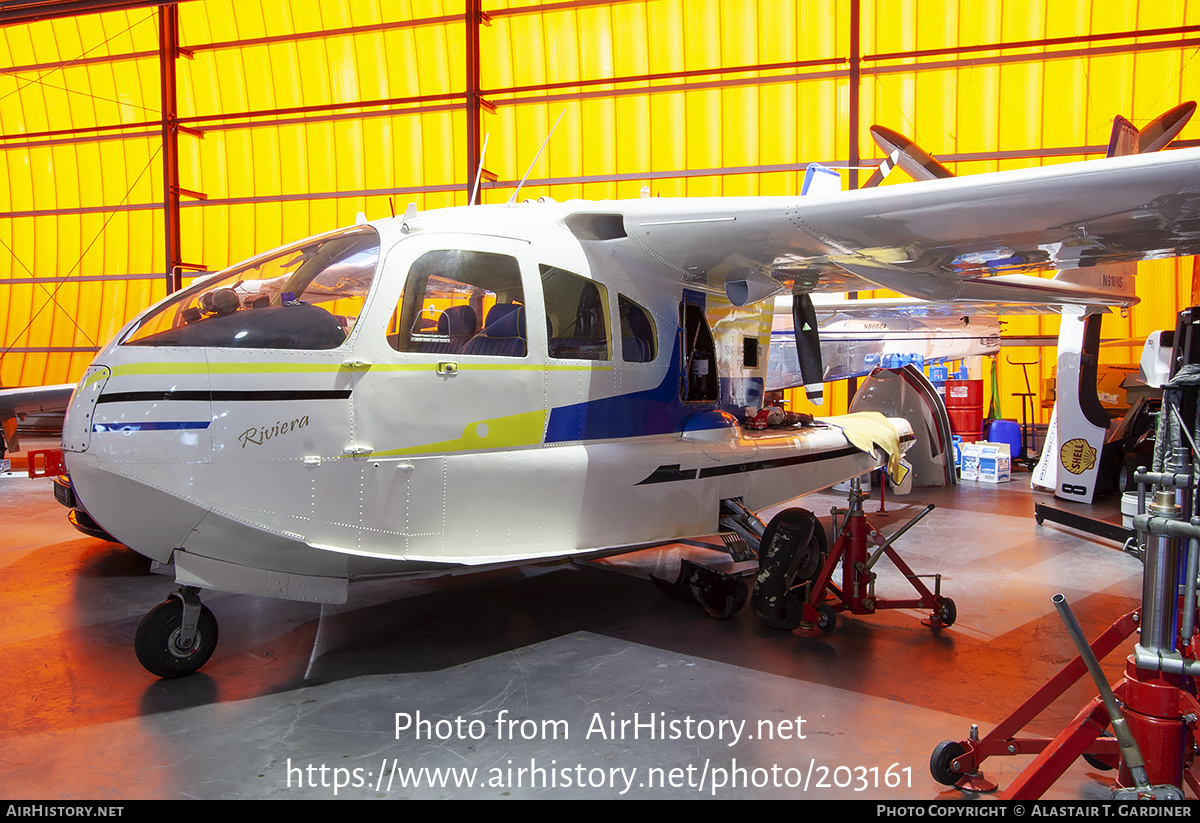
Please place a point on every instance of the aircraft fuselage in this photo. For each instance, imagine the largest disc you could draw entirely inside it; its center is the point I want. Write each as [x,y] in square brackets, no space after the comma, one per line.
[411,395]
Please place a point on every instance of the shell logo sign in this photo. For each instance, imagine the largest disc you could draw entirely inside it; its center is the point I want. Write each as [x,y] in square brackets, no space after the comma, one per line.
[1077,456]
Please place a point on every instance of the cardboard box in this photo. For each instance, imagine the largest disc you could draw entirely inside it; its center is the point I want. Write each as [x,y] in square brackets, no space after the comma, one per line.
[986,462]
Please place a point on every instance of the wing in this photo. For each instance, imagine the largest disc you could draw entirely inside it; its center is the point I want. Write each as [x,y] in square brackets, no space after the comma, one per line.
[972,238]
[32,400]
[35,399]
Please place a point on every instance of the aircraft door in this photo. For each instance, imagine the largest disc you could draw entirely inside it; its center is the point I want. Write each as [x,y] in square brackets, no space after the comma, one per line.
[448,391]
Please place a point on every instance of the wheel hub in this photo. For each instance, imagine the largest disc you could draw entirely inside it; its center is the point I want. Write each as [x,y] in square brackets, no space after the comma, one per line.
[176,646]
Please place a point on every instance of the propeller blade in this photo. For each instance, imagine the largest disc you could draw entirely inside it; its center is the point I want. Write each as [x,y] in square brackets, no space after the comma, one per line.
[885,168]
[918,163]
[808,347]
[1162,130]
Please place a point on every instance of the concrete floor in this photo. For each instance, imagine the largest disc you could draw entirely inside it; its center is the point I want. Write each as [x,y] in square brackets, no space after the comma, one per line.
[299,697]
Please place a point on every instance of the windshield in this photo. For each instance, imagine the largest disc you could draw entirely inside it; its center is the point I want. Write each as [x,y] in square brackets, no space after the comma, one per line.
[304,296]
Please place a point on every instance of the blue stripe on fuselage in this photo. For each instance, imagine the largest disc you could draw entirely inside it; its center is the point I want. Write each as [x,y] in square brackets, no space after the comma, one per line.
[652,411]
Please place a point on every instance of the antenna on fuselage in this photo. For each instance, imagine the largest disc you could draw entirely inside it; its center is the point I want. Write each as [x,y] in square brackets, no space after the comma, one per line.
[513,199]
[479,171]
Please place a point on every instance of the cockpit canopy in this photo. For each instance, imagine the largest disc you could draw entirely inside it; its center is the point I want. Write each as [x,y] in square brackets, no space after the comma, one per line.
[304,296]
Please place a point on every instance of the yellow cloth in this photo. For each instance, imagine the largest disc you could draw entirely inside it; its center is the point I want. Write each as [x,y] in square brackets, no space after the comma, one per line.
[865,431]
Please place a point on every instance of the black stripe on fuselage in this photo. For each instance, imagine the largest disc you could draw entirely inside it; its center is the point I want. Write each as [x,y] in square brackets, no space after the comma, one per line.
[673,473]
[223,396]
[668,474]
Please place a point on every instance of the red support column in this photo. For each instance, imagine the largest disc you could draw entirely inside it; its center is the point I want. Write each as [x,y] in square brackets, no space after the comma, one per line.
[168,51]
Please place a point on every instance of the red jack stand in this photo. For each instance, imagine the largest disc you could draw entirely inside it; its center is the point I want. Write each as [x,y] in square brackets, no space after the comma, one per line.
[1160,709]
[857,592]
[957,763]
[1153,710]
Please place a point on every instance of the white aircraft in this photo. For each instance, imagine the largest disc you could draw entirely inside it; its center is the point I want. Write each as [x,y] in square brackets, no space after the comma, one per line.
[496,384]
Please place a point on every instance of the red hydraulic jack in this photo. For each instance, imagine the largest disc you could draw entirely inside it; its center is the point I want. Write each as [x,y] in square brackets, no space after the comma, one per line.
[1153,710]
[857,592]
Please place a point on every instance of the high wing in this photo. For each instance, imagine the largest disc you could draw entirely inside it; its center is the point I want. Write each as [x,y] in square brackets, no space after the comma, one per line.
[964,238]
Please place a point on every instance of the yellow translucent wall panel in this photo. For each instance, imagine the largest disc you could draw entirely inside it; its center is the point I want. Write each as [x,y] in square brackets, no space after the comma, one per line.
[75,299]
[350,154]
[710,129]
[286,72]
[77,87]
[83,175]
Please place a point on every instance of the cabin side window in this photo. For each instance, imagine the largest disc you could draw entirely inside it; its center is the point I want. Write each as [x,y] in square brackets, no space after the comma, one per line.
[639,341]
[576,315]
[461,303]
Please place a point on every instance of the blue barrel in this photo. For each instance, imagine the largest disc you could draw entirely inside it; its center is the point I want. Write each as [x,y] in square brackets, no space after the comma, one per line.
[1006,431]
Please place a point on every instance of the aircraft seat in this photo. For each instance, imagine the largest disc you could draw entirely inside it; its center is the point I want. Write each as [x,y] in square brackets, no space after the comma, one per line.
[503,332]
[460,324]
[635,350]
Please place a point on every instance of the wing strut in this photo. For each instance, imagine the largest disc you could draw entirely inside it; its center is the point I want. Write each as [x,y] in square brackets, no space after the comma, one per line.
[808,347]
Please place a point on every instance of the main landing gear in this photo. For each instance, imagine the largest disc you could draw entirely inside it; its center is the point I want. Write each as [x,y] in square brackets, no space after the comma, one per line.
[177,636]
[793,589]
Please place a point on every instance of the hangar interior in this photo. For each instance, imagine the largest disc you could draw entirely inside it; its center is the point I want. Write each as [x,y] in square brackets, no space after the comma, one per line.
[147,144]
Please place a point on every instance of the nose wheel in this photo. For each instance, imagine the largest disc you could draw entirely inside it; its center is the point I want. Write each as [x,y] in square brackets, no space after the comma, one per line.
[177,636]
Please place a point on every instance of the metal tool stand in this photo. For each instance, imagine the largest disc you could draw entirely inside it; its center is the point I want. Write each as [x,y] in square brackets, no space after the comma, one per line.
[1092,525]
[857,592]
[1025,458]
[1153,709]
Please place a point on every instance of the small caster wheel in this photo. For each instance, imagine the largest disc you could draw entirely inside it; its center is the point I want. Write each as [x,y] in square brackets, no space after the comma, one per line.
[941,762]
[948,613]
[1103,762]
[1096,762]
[826,617]
[157,641]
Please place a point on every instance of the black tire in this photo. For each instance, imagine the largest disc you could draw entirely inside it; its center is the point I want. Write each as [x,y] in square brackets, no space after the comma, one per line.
[1125,478]
[943,757]
[948,613]
[807,561]
[826,618]
[791,553]
[157,636]
[1095,762]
